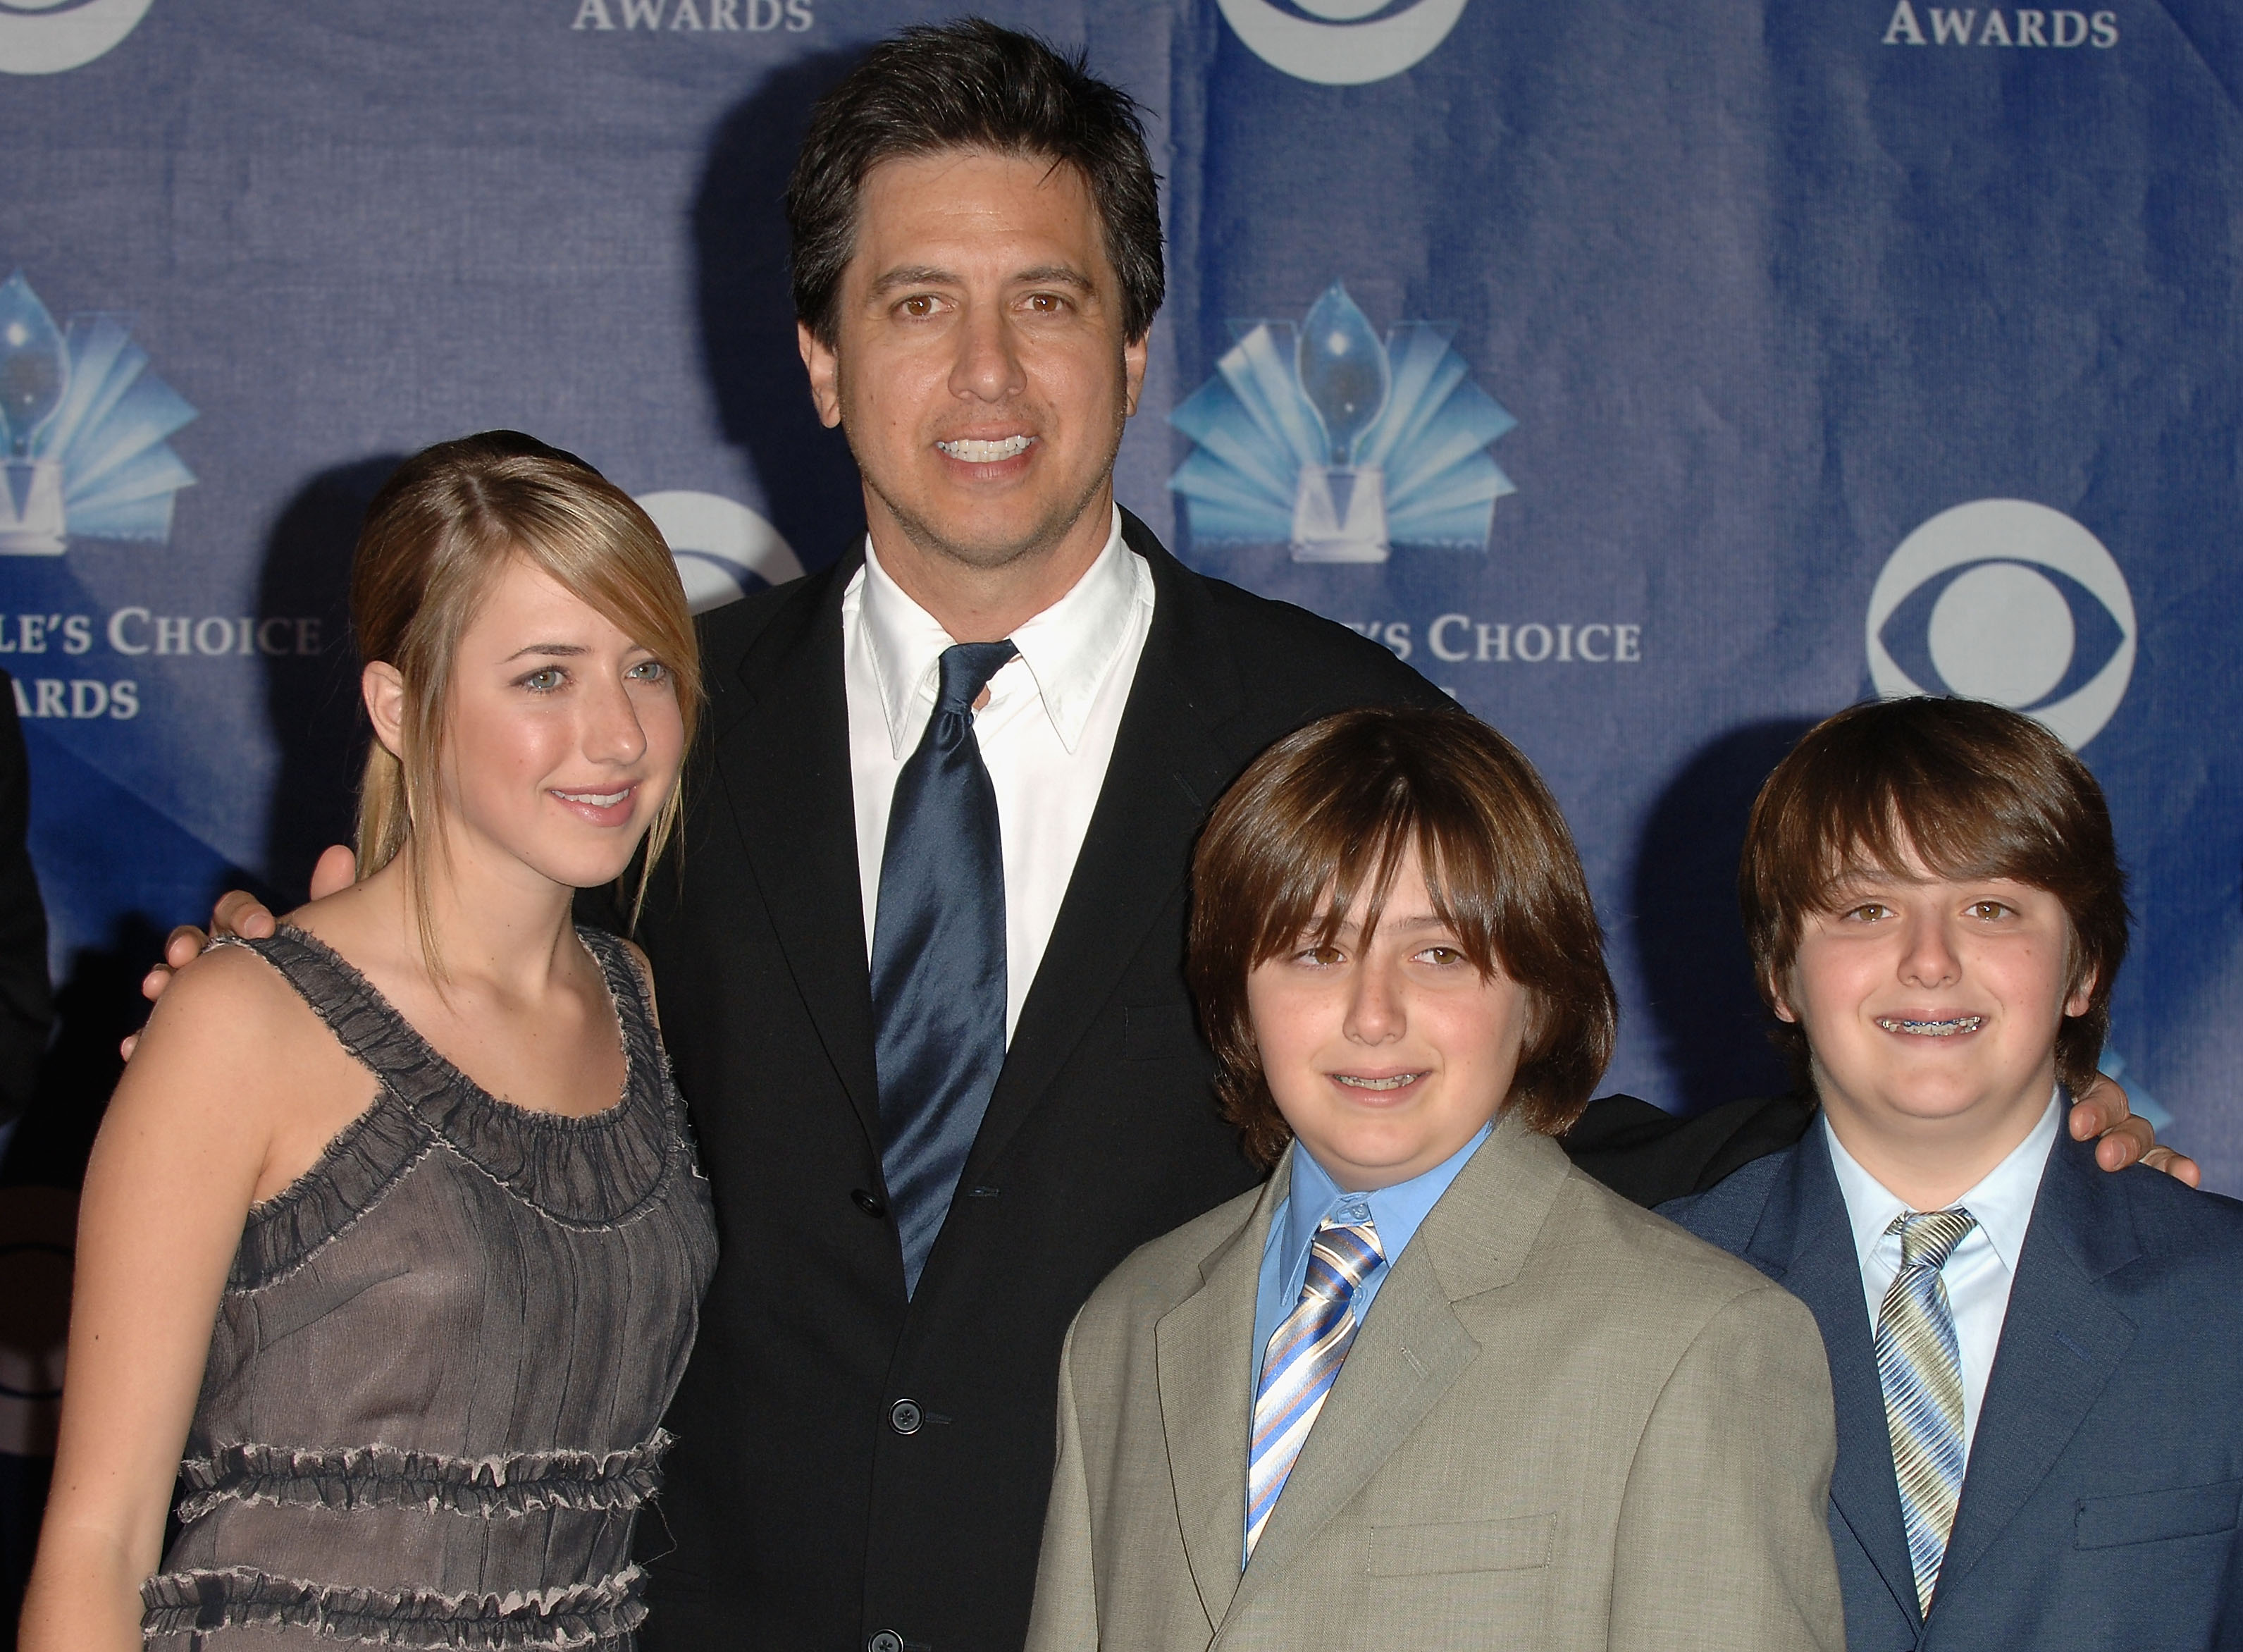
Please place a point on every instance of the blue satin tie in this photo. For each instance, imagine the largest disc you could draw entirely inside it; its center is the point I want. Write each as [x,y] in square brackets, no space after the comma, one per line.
[938,958]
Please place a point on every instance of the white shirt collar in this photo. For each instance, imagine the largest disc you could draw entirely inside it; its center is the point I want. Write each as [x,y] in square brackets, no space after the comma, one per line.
[2002,1202]
[1068,649]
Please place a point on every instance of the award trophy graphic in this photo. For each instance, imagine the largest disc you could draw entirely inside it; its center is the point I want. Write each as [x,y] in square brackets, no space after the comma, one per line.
[1339,510]
[1340,445]
[84,431]
[35,372]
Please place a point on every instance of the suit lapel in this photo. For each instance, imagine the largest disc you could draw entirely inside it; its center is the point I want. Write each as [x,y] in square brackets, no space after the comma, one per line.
[1412,1348]
[1806,1244]
[800,837]
[2060,1342]
[1206,1402]
[1167,769]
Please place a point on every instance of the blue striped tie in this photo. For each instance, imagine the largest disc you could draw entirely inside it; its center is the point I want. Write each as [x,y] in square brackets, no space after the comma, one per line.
[1305,1355]
[1921,1370]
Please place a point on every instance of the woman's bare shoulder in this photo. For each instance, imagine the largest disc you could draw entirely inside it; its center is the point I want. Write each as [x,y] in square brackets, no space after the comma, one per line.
[232,984]
[231,1018]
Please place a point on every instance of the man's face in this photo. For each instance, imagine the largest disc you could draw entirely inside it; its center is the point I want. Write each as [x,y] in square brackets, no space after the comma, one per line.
[978,366]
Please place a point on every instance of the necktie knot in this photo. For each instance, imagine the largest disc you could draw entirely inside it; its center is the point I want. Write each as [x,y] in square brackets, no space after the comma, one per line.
[1929,1237]
[966,669]
[1341,1256]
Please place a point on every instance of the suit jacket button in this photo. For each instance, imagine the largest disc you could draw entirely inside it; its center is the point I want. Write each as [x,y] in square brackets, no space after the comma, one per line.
[884,1641]
[869,1203]
[904,1418]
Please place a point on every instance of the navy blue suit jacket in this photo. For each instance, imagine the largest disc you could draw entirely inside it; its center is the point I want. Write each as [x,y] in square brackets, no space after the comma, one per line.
[2099,1506]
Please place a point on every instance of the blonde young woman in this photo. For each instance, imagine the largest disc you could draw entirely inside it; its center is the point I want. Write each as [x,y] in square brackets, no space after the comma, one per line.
[414,1292]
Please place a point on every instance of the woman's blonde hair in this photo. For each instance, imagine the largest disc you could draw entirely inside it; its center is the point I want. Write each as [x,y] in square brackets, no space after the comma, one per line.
[435,537]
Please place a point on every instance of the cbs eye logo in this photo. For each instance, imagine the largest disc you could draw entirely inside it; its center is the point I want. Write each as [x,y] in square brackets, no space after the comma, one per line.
[2009,601]
[1342,43]
[722,549]
[47,37]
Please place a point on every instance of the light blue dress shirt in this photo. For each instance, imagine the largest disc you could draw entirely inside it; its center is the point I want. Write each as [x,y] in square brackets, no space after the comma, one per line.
[1396,1211]
[1978,1274]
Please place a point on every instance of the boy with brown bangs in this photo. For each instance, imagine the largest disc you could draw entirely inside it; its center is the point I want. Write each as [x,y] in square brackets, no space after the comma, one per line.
[2037,1364]
[1430,1387]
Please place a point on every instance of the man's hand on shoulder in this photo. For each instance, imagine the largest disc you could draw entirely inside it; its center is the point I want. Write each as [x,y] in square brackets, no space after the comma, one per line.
[2125,1139]
[238,912]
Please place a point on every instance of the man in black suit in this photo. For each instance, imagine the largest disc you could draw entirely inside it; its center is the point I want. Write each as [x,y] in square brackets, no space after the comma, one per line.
[865,1448]
[921,965]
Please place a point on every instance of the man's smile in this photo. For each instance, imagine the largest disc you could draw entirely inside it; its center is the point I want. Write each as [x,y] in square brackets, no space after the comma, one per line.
[976,451]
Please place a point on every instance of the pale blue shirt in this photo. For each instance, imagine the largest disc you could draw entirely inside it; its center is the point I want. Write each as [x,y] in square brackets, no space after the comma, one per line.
[1978,1274]
[1396,1212]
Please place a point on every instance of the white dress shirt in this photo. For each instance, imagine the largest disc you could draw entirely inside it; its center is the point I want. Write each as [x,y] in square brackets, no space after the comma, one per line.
[1978,1275]
[1046,734]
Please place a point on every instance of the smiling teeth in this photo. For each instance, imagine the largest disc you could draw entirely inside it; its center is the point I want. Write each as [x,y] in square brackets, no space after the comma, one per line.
[986,452]
[1395,1082]
[1932,1028]
[597,800]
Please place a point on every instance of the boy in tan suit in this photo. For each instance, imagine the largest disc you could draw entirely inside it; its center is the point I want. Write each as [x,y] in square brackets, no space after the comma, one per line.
[1567,1424]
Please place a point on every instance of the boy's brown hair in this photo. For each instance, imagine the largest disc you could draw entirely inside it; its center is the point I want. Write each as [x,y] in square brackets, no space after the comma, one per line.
[1325,817]
[1963,788]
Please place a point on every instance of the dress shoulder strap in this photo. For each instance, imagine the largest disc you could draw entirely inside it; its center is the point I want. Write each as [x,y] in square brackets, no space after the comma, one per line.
[597,1170]
[357,1169]
[361,1020]
[629,987]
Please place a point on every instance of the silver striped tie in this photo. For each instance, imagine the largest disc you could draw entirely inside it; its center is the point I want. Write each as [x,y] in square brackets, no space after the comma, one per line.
[1305,1354]
[1921,1370]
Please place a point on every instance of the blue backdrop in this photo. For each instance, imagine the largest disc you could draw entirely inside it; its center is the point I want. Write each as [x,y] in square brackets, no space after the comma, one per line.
[1656,376]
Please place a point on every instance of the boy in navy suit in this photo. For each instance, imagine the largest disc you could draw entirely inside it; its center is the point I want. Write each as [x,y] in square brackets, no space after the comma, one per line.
[2038,1366]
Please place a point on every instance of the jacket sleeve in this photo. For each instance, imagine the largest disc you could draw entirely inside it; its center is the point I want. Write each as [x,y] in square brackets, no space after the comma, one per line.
[1723,1539]
[1649,1156]
[1065,1615]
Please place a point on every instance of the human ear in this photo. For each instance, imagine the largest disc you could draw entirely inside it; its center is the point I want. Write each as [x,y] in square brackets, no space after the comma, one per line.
[382,686]
[1133,374]
[2081,996]
[824,366]
[1779,1000]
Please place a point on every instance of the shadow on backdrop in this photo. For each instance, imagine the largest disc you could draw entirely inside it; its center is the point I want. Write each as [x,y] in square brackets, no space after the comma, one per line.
[311,699]
[811,490]
[1690,943]
[100,1003]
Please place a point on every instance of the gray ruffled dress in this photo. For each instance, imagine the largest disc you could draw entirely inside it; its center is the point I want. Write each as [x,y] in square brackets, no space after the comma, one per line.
[432,1409]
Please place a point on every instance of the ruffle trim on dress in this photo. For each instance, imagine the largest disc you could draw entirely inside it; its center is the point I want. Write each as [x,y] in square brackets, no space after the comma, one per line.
[599,1171]
[355,1173]
[390,1477]
[573,1618]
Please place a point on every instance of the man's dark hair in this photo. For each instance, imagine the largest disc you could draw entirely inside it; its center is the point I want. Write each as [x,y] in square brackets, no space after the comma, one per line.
[972,85]
[1961,788]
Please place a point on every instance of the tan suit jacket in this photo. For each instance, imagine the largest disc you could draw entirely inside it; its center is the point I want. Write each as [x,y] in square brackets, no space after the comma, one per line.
[1565,1424]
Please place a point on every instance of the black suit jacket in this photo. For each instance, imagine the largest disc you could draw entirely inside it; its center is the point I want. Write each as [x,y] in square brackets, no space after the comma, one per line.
[26,1003]
[852,1465]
